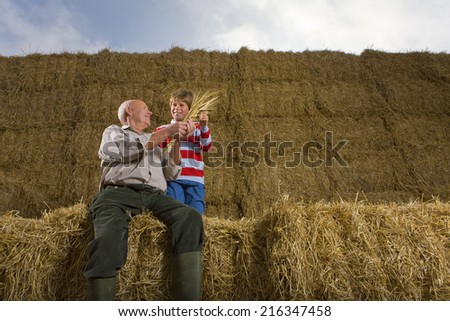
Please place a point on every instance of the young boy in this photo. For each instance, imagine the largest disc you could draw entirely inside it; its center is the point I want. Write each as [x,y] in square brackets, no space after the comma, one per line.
[189,188]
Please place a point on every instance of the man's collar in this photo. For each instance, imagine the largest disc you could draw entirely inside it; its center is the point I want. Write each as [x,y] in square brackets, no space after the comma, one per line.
[128,127]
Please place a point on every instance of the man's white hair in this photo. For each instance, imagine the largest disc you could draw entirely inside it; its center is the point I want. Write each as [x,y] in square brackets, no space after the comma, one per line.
[122,113]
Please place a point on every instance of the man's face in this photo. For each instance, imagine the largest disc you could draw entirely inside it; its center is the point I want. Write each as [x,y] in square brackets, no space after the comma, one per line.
[179,110]
[140,115]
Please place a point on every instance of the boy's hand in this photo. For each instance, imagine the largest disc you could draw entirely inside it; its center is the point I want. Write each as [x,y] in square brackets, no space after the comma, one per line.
[204,118]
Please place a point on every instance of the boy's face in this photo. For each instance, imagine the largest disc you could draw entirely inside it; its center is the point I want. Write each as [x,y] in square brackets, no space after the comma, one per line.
[179,110]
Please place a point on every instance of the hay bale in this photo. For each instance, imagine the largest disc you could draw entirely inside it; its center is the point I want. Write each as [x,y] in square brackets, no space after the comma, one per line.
[271,66]
[345,251]
[297,251]
[230,254]
[44,258]
[146,275]
[35,252]
[305,255]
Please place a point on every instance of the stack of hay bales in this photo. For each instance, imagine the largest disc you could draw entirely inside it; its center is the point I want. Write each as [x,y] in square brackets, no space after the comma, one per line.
[391,109]
[296,251]
[396,147]
[388,111]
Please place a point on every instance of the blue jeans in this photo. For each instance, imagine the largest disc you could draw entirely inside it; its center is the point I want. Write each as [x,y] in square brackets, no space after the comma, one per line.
[188,192]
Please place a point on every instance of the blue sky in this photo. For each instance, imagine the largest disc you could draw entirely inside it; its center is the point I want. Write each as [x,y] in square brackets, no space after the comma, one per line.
[53,26]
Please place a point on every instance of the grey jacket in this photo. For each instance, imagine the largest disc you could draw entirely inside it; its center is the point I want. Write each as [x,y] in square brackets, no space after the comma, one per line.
[125,160]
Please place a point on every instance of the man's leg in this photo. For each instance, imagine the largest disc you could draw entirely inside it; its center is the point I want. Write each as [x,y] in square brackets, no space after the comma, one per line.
[186,227]
[108,251]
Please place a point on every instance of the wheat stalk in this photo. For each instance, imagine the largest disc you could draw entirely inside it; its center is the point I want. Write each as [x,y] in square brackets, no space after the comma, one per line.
[203,102]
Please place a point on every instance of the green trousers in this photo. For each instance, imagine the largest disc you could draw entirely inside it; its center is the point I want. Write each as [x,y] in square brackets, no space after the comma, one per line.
[112,210]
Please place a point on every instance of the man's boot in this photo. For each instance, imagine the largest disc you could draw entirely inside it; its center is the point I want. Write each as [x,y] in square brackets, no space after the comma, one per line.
[102,289]
[187,276]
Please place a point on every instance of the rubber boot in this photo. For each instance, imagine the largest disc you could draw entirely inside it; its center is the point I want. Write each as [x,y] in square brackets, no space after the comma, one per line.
[102,289]
[187,276]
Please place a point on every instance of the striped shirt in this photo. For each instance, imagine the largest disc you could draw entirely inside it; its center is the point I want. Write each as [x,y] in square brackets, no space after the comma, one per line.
[192,166]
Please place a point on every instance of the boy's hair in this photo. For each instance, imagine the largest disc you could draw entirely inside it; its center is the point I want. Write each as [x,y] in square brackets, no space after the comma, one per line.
[182,95]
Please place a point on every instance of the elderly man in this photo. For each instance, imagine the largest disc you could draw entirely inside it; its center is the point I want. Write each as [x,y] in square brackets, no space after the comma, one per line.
[134,174]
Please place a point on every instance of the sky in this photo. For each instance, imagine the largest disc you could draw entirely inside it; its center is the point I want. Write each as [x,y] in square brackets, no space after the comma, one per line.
[351,26]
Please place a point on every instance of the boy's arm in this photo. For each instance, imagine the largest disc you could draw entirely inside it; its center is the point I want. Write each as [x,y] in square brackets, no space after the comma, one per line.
[205,138]
[205,135]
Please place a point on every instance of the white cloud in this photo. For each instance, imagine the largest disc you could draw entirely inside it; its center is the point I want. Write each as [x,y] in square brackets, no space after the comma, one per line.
[41,28]
[28,26]
[246,34]
[350,26]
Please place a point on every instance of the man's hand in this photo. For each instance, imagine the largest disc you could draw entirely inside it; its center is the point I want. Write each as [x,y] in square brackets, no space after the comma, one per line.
[204,118]
[178,129]
[185,129]
[175,130]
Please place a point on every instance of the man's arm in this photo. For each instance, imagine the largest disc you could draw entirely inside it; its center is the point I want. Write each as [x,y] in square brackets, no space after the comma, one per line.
[173,130]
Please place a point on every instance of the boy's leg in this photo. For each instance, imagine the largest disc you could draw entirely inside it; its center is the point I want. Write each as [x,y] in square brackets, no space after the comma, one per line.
[175,190]
[195,195]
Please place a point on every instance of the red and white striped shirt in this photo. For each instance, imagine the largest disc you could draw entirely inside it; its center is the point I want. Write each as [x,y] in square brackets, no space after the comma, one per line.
[192,166]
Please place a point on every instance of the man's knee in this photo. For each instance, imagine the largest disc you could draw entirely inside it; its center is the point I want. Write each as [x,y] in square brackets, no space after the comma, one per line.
[107,254]
[188,235]
[194,219]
